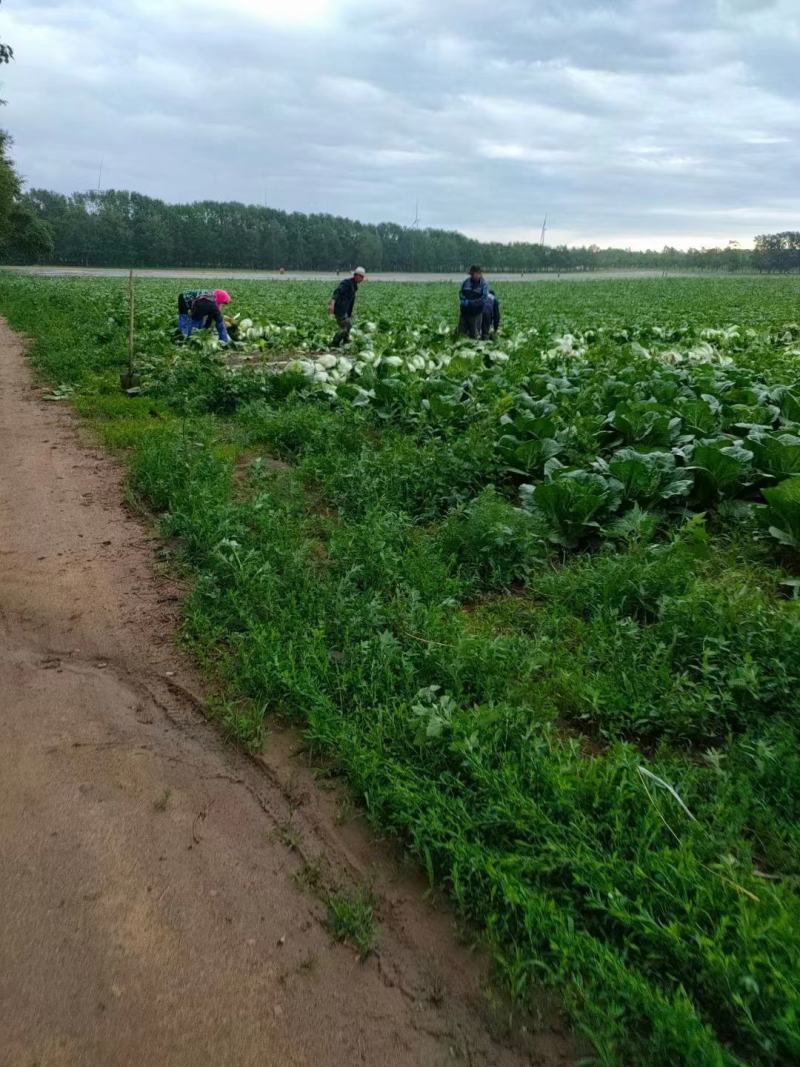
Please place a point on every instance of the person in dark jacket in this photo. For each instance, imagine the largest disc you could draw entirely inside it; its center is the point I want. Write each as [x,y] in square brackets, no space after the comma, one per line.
[198,308]
[342,304]
[491,316]
[472,296]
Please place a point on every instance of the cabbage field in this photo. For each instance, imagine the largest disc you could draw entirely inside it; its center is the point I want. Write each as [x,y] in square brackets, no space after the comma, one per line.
[537,600]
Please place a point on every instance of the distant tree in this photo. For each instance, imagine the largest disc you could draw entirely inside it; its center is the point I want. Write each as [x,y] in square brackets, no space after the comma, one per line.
[6,52]
[369,249]
[23,233]
[777,252]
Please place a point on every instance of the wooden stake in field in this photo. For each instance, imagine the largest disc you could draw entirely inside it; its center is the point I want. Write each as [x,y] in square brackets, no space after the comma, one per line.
[130,380]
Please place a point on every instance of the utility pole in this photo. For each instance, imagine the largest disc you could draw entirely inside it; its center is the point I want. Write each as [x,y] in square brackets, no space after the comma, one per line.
[130,380]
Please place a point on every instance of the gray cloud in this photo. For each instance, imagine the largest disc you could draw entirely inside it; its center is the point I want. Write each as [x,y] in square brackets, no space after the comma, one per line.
[638,122]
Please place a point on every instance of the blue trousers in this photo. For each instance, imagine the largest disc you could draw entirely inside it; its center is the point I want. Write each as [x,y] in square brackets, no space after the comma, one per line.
[187,325]
[204,323]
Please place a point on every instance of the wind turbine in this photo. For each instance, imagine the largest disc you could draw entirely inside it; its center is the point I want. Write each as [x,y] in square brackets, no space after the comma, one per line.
[544,231]
[414,229]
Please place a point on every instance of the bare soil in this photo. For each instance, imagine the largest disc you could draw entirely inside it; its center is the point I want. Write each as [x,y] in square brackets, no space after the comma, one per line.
[161,893]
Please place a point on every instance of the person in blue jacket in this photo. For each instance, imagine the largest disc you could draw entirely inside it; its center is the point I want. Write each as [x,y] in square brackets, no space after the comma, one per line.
[472,297]
[491,316]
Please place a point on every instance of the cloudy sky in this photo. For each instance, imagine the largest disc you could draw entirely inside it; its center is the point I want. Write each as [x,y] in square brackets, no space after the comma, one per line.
[630,122]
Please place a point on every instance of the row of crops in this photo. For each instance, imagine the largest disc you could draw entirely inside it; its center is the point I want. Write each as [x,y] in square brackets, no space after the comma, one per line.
[535,598]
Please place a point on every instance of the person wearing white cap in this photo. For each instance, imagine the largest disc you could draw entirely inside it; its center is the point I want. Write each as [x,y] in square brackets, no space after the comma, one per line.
[342,304]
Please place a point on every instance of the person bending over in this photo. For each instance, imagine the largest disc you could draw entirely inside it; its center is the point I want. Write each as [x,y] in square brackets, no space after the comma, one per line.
[198,308]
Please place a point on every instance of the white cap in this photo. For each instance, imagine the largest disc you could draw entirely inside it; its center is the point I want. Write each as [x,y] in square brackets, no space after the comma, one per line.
[361,271]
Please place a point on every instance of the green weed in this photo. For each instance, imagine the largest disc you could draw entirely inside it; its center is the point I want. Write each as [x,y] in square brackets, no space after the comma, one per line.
[351,918]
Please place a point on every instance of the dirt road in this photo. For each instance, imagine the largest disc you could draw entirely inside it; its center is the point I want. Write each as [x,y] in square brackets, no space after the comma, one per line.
[157,888]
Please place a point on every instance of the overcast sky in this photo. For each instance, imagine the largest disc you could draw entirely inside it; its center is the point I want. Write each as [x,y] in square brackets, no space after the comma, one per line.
[630,122]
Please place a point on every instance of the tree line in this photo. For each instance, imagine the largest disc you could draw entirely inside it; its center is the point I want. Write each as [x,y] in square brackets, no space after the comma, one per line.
[21,226]
[116,228]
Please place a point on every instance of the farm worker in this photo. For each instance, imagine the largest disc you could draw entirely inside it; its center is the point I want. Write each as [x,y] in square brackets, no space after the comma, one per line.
[198,308]
[491,316]
[472,297]
[342,303]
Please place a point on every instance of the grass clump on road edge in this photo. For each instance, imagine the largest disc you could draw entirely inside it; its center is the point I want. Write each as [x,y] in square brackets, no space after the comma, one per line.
[351,918]
[500,704]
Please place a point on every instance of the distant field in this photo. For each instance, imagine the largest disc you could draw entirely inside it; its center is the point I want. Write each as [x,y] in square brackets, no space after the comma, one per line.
[258,275]
[535,599]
